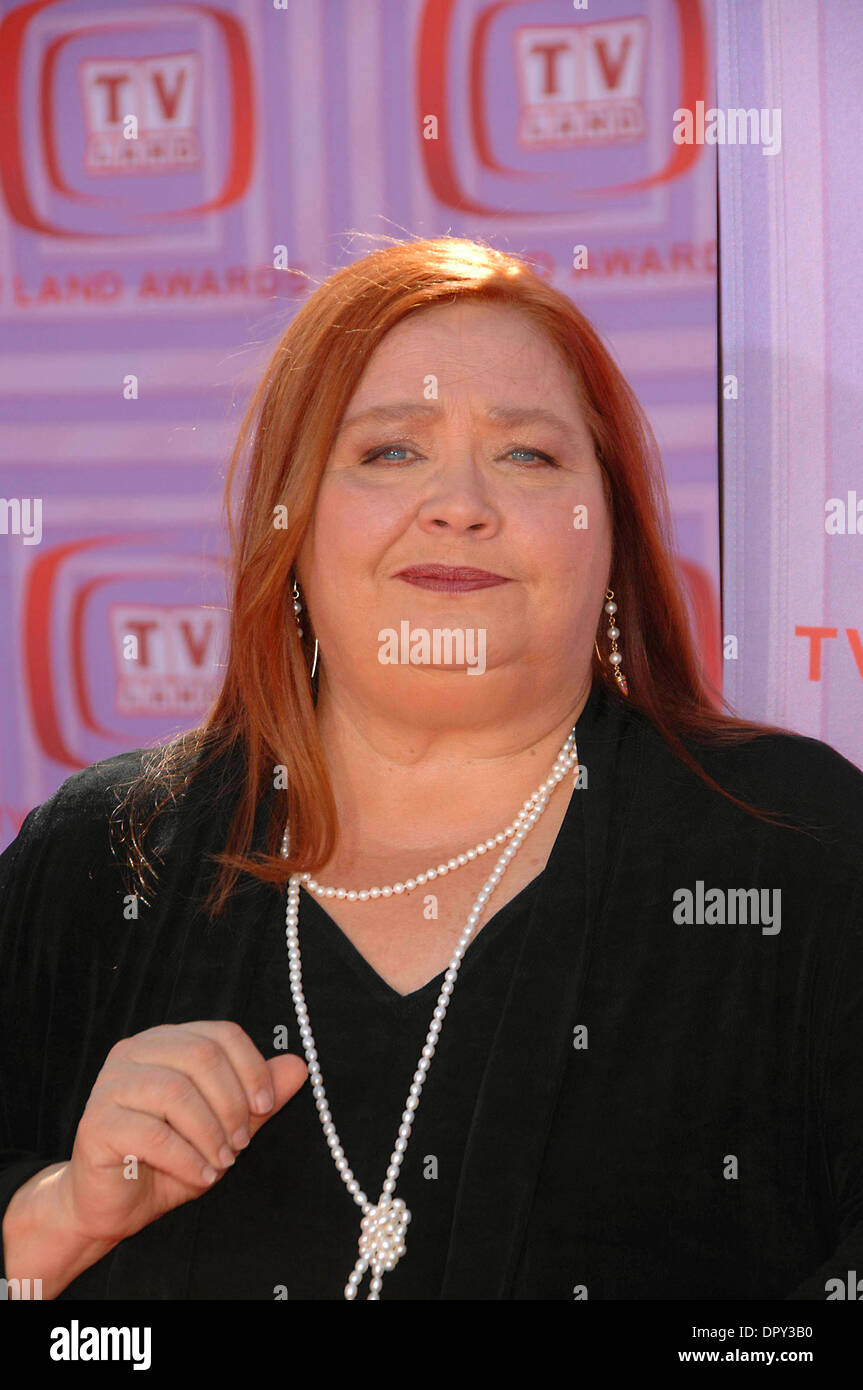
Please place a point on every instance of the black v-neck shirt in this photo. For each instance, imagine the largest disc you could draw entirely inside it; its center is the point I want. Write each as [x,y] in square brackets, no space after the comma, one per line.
[302,1242]
[622,1105]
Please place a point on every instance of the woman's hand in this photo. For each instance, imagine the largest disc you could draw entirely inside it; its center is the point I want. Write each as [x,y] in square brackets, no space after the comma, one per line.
[168,1112]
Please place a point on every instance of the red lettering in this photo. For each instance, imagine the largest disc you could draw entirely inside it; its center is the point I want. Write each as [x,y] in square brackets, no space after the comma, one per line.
[142,630]
[167,102]
[815,635]
[856,646]
[549,52]
[112,87]
[611,72]
[681,251]
[50,290]
[197,649]
[650,261]
[180,282]
[208,283]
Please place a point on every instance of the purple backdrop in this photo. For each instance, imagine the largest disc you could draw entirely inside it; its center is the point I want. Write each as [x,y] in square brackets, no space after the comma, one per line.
[139,294]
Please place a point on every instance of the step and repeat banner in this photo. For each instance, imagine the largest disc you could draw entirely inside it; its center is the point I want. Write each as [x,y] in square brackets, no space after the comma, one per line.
[792,313]
[147,267]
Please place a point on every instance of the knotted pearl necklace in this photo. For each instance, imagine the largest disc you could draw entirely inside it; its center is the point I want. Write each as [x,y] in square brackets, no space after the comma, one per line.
[384,1223]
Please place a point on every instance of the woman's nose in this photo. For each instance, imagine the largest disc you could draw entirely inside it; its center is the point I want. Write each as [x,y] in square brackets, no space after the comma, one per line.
[458,501]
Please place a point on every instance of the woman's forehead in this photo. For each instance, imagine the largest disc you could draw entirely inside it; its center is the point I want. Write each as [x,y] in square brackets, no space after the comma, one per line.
[465,347]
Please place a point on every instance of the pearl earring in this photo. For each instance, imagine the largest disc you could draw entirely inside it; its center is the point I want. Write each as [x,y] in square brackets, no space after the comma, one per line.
[615,658]
[298,608]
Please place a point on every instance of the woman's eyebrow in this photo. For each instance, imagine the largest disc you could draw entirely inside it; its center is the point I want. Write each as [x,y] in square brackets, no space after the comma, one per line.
[404,411]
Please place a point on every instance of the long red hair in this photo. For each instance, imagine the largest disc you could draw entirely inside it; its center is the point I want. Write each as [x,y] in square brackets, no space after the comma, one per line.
[264,713]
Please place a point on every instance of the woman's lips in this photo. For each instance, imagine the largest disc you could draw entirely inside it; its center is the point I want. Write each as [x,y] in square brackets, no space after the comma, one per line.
[449,579]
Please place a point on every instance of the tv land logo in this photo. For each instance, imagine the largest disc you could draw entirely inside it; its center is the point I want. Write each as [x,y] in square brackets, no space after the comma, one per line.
[165,656]
[581,84]
[95,94]
[499,97]
[110,639]
[141,113]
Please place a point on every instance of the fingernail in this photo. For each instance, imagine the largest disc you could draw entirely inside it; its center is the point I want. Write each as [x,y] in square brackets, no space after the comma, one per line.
[264,1102]
[226,1156]
[240,1139]
[209,1175]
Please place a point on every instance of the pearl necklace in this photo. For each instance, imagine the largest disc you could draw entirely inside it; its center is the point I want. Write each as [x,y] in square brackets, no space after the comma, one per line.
[409,884]
[458,861]
[384,1223]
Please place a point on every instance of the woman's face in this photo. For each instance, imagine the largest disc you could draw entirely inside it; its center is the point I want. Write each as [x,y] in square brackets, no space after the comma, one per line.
[448,456]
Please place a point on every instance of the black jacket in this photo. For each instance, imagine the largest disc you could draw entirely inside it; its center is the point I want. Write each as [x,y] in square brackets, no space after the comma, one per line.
[669,1109]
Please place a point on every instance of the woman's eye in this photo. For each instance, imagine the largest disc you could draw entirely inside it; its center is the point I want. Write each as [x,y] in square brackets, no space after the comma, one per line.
[390,449]
[387,449]
[544,458]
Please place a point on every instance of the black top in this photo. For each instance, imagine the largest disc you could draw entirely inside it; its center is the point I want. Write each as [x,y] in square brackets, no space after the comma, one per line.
[368,1039]
[623,1104]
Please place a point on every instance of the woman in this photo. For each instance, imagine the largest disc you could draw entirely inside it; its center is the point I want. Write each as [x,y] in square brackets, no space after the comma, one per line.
[568,1001]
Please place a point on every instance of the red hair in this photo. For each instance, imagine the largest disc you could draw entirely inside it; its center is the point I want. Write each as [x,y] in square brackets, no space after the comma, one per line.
[265,709]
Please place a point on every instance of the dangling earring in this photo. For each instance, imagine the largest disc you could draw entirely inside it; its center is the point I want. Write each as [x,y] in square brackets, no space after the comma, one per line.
[615,658]
[298,608]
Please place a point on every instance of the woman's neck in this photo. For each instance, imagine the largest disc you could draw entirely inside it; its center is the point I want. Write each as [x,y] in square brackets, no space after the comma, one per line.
[402,788]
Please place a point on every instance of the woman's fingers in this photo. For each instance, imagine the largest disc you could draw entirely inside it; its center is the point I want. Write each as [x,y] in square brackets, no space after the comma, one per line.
[288,1072]
[174,1096]
[159,1145]
[248,1063]
[210,1054]
[181,1099]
